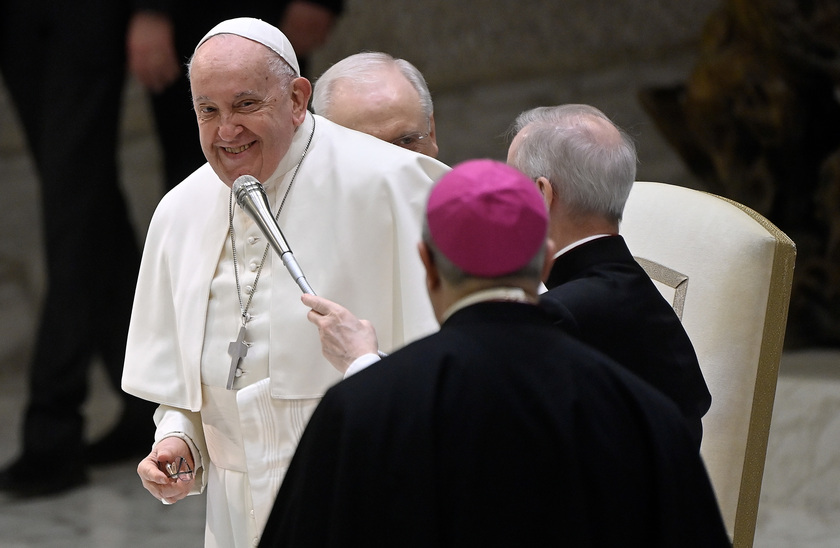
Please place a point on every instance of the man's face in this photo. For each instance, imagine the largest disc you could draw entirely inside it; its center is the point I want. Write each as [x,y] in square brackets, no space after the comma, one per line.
[246,119]
[389,110]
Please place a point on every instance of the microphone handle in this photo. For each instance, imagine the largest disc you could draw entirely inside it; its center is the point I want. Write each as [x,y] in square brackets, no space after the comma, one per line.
[259,210]
[275,238]
[294,269]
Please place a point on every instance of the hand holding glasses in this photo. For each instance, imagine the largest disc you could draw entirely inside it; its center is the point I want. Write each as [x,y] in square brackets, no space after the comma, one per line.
[178,470]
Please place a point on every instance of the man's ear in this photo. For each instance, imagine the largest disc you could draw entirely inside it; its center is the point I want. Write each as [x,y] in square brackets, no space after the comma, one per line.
[301,91]
[432,274]
[544,186]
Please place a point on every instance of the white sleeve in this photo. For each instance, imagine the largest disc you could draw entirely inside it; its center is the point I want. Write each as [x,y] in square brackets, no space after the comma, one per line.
[362,362]
[179,423]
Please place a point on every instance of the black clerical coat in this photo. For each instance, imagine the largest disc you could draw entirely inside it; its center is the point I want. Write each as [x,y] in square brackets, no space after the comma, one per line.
[603,297]
[500,430]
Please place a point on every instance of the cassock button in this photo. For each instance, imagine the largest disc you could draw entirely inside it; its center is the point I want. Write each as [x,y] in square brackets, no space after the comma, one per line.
[254,266]
[252,240]
[249,289]
[238,372]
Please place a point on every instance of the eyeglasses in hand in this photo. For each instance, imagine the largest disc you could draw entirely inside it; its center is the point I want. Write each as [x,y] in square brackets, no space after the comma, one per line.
[179,470]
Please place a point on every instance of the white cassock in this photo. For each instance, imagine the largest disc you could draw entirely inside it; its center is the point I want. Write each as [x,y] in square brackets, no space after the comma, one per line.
[352,220]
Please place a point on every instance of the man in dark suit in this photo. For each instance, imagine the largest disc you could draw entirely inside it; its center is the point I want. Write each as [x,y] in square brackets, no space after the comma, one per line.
[499,429]
[585,166]
[64,66]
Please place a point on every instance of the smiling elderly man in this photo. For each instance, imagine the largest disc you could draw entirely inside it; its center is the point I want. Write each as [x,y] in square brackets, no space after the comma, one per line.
[349,205]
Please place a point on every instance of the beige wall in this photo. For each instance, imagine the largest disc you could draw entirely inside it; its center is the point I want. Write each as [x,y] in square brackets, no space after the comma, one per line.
[464,42]
[488,60]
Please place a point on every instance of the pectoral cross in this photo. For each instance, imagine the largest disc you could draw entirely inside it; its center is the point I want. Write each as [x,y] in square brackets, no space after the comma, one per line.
[237,350]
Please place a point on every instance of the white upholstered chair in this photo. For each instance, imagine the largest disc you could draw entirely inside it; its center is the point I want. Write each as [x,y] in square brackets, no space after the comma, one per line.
[727,271]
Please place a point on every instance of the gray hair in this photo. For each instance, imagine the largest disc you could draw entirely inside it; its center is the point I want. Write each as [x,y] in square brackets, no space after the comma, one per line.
[364,68]
[455,276]
[565,144]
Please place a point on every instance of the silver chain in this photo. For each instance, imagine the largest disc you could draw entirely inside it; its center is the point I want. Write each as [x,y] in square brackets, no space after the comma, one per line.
[244,309]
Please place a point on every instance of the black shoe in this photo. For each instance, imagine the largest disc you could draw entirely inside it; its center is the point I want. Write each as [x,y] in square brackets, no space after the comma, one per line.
[30,478]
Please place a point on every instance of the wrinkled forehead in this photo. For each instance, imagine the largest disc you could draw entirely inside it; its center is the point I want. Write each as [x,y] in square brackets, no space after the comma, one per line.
[257,31]
[228,68]
[228,60]
[379,108]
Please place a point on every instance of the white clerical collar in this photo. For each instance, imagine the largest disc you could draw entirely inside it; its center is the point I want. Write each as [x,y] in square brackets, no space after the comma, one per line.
[515,294]
[580,242]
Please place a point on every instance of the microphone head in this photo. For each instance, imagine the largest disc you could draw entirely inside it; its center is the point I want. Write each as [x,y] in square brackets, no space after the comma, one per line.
[245,185]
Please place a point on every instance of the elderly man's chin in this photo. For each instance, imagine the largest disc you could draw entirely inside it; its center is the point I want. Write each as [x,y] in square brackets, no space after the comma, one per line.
[229,169]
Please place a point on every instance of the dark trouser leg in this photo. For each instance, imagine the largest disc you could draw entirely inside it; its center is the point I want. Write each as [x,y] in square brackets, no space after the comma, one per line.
[64,70]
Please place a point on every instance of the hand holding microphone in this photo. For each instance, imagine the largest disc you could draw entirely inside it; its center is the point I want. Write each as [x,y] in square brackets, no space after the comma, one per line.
[251,197]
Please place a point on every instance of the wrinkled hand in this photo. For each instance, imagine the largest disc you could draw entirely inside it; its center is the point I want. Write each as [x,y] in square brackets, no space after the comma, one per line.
[343,336]
[150,48]
[158,483]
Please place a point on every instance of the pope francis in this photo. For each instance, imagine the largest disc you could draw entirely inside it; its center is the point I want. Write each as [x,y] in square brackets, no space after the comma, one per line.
[219,337]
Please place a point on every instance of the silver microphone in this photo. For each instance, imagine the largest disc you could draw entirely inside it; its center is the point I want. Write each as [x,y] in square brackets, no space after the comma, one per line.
[250,195]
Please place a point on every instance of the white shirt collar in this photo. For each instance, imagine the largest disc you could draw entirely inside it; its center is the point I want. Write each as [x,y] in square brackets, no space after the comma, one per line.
[580,242]
[495,294]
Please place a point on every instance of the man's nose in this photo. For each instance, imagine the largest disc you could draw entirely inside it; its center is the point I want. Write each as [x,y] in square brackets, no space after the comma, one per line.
[229,128]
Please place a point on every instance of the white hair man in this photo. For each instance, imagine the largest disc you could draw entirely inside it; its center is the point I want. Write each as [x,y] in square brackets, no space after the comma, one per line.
[500,429]
[584,166]
[375,93]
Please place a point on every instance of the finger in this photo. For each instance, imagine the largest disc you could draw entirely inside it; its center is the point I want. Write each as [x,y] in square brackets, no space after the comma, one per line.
[174,492]
[169,498]
[152,474]
[315,303]
[315,317]
[149,469]
[155,489]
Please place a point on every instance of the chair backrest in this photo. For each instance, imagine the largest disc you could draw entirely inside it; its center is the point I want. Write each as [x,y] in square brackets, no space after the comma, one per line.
[727,271]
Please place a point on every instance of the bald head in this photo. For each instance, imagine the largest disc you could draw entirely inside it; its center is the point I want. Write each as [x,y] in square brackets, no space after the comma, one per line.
[381,96]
